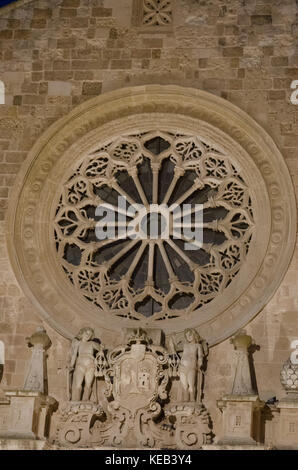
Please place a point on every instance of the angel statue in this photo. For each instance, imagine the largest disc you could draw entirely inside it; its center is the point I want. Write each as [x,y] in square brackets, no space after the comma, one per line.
[190,364]
[83,365]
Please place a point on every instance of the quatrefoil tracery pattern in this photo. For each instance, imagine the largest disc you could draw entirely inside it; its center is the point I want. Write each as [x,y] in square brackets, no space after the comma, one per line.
[157,12]
[158,279]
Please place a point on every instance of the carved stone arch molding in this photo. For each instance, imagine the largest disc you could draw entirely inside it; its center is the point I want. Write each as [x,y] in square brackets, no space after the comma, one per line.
[234,161]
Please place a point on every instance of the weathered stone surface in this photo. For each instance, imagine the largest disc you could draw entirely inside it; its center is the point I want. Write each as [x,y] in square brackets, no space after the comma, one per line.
[57,88]
[244,53]
[138,376]
[25,415]
[36,378]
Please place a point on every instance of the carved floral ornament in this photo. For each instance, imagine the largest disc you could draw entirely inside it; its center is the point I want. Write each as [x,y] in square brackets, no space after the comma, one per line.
[157,12]
[153,144]
[157,278]
[152,14]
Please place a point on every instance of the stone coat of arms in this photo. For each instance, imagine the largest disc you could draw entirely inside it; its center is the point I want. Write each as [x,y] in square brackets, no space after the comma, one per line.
[138,410]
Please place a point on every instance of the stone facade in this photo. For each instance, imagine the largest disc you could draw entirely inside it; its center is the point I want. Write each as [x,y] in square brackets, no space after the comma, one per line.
[57,54]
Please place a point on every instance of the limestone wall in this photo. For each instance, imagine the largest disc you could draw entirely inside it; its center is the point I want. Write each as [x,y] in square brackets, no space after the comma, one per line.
[56,54]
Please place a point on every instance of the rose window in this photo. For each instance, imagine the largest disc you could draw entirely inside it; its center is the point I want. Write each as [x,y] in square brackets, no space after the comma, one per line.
[198,170]
[173,272]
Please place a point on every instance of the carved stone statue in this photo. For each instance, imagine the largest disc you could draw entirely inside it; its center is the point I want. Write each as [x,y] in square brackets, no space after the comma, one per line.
[242,384]
[26,412]
[136,410]
[191,364]
[82,365]
[241,408]
[36,379]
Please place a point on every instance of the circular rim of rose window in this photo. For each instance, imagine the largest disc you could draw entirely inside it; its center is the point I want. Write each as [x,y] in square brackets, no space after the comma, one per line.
[155,146]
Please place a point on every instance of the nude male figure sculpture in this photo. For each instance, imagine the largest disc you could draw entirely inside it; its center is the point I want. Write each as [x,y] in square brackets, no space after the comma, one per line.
[82,364]
[190,366]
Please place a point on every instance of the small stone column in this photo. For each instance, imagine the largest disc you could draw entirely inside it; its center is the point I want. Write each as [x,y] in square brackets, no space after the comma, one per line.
[2,361]
[242,408]
[4,402]
[29,410]
[242,384]
[36,379]
[29,414]
[288,407]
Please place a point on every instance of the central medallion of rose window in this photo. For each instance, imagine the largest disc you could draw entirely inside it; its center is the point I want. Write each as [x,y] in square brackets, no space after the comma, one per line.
[165,272]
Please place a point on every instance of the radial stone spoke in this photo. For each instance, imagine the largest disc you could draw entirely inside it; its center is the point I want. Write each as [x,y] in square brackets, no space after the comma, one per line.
[189,224]
[191,211]
[136,260]
[187,240]
[108,241]
[111,207]
[121,253]
[155,167]
[109,229]
[186,194]
[123,193]
[117,223]
[178,173]
[181,253]
[150,263]
[134,174]
[166,260]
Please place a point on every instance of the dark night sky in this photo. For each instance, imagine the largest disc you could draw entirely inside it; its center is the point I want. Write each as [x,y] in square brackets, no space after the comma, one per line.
[6,2]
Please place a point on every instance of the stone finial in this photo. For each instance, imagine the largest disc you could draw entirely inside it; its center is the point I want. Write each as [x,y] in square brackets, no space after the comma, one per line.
[287,431]
[241,340]
[39,338]
[289,378]
[242,384]
[36,379]
[242,408]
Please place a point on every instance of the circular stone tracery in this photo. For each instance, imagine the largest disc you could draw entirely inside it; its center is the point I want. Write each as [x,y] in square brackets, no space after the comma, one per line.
[71,141]
[169,274]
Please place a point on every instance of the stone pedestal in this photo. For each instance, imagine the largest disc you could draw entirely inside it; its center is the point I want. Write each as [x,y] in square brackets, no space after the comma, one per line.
[242,408]
[4,414]
[234,447]
[288,423]
[241,419]
[23,444]
[25,415]
[288,406]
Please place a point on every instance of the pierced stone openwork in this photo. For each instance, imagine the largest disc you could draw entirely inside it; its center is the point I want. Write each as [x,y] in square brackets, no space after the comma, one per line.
[152,144]
[158,277]
[157,12]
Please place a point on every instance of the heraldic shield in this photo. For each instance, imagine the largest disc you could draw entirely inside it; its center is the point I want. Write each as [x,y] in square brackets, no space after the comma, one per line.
[139,372]
[135,378]
[138,406]
[136,386]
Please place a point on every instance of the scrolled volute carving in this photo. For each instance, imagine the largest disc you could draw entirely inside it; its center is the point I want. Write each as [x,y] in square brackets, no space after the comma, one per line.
[138,376]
